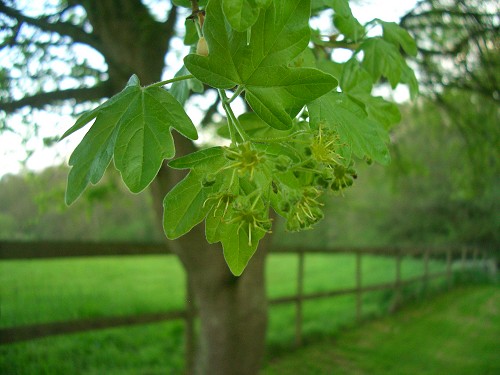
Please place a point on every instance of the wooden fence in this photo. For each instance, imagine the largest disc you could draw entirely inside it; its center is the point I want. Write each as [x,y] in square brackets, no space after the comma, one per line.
[36,250]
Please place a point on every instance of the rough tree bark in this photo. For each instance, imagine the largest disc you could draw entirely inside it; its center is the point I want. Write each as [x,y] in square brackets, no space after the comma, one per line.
[232,310]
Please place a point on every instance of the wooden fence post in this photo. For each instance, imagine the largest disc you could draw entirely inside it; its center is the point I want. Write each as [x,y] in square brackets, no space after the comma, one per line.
[298,304]
[426,269]
[475,258]
[485,263]
[464,257]
[189,332]
[397,283]
[359,292]
[448,267]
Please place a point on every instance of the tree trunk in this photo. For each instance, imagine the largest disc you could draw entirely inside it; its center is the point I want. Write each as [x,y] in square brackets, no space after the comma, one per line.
[232,310]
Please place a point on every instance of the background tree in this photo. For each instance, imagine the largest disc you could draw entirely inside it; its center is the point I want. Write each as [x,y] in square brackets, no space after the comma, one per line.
[33,209]
[441,188]
[458,43]
[441,197]
[134,43]
[459,63]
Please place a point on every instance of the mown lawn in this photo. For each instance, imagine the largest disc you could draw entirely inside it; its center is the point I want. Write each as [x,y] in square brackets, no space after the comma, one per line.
[40,291]
[454,333]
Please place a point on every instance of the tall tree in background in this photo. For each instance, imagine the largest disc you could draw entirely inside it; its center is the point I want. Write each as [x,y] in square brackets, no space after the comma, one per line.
[459,55]
[459,64]
[458,43]
[46,66]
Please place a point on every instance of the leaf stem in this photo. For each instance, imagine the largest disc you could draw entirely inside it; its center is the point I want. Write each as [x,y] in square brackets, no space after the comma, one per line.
[171,80]
[232,120]
[194,6]
[230,124]
[237,93]
[279,139]
[198,29]
[340,44]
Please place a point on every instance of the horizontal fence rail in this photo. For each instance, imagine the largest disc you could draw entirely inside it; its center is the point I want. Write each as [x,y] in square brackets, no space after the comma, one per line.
[10,250]
[30,332]
[66,249]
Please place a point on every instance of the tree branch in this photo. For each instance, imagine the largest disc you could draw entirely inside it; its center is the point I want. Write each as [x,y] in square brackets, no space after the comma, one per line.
[39,100]
[61,28]
[413,14]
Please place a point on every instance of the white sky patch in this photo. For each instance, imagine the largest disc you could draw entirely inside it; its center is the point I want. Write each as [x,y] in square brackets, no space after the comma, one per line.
[386,10]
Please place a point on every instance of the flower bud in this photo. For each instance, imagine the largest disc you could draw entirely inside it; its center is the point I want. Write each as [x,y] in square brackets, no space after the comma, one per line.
[202,47]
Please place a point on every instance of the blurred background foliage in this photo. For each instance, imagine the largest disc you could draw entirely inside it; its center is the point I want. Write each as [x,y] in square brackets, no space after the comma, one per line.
[33,208]
[441,188]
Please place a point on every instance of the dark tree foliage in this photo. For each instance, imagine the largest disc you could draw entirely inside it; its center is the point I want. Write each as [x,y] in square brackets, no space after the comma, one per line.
[458,43]
[459,64]
[32,208]
[441,196]
[73,52]
[459,57]
[44,53]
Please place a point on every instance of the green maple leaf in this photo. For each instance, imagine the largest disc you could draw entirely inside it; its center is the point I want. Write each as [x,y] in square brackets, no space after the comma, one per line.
[382,58]
[134,128]
[184,206]
[344,20]
[395,34]
[356,82]
[214,224]
[277,94]
[241,14]
[237,250]
[256,129]
[188,3]
[380,110]
[275,91]
[363,136]
[355,79]
[263,3]
[238,238]
[206,159]
[180,89]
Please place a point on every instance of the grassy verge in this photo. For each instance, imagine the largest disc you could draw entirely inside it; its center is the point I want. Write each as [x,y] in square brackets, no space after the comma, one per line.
[147,349]
[38,291]
[64,289]
[453,333]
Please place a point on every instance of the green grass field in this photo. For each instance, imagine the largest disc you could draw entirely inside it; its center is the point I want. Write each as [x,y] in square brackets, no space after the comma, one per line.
[53,290]
[454,333]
